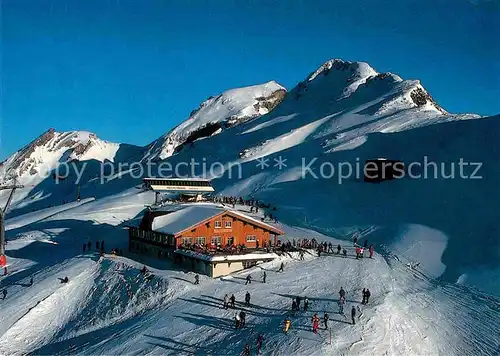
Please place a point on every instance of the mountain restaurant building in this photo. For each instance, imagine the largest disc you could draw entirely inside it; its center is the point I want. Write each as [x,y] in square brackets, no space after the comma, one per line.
[205,238]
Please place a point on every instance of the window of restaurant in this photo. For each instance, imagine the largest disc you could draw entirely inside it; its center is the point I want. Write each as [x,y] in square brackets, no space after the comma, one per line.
[216,240]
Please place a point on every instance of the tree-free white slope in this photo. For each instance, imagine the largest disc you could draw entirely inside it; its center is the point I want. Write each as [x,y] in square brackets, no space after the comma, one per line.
[408,314]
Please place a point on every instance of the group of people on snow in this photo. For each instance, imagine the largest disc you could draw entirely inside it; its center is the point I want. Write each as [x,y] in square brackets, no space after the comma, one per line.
[229,301]
[299,303]
[296,304]
[247,349]
[99,246]
[360,251]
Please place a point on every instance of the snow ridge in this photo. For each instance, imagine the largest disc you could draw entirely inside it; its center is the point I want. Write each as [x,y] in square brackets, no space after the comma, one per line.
[228,109]
[51,148]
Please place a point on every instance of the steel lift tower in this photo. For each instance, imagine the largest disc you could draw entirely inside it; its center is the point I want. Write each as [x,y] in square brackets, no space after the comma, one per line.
[3,258]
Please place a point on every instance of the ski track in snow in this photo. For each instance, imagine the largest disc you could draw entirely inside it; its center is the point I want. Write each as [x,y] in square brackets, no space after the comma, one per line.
[408,314]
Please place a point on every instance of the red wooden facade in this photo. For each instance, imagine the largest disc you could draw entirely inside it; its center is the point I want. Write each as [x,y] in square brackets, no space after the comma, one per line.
[222,230]
[228,229]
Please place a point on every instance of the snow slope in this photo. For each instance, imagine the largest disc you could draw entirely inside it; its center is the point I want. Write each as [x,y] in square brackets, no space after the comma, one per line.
[216,113]
[384,116]
[344,112]
[109,308]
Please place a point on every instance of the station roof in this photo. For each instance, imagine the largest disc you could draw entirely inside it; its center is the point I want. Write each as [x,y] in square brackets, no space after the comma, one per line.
[186,185]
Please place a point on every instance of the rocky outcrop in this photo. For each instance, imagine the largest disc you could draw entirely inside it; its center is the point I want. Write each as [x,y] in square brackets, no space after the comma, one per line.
[270,102]
[420,97]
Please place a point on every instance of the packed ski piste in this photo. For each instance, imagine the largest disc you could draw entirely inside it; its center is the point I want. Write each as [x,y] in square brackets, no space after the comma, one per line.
[321,296]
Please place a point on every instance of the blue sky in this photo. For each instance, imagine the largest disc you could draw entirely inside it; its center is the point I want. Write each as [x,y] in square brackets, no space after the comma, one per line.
[131,70]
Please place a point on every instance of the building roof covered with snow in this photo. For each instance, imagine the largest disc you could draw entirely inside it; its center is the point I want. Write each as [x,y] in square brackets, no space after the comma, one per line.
[175,219]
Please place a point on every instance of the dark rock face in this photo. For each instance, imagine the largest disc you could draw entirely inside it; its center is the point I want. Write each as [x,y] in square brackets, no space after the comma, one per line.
[420,97]
[205,131]
[23,160]
[272,101]
[81,148]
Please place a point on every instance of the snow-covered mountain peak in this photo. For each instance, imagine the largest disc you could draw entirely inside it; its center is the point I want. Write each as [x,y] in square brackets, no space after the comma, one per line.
[228,109]
[51,148]
[356,69]
[338,78]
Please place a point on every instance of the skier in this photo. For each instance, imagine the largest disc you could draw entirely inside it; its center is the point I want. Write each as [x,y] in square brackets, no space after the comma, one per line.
[249,279]
[31,281]
[315,322]
[297,299]
[64,280]
[341,303]
[330,247]
[326,317]
[364,296]
[260,339]
[89,244]
[342,292]
[353,314]
[287,323]
[371,249]
[247,299]
[367,295]
[264,277]
[338,249]
[358,252]
[344,252]
[237,320]
[226,301]
[242,318]
[196,279]
[232,300]
[246,350]
[306,304]
[4,294]
[281,267]
[355,241]
[294,307]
